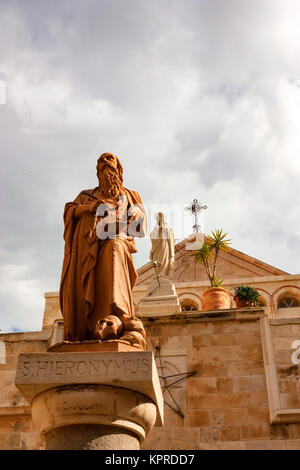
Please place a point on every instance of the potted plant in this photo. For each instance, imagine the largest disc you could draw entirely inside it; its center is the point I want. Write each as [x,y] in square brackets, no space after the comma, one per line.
[245,296]
[216,297]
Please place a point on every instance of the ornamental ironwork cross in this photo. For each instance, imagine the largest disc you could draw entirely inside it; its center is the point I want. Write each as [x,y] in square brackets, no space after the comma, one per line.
[195,208]
[176,378]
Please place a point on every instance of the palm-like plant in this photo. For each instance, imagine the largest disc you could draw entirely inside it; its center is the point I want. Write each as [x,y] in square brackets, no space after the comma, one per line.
[207,255]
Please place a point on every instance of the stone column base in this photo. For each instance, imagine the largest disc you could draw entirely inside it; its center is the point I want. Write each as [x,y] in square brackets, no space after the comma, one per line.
[91,437]
[93,404]
[92,400]
[122,417]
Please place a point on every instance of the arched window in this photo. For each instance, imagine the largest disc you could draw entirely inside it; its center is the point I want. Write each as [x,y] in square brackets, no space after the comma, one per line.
[288,302]
[189,302]
[188,307]
[260,302]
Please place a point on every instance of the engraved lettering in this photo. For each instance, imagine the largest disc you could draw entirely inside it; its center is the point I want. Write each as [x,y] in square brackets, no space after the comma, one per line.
[81,367]
[26,369]
[69,367]
[146,365]
[107,363]
[94,367]
[133,369]
[59,367]
[121,365]
[42,368]
[51,367]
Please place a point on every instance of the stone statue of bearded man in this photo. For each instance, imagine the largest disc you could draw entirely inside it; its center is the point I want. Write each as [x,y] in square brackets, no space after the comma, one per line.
[98,273]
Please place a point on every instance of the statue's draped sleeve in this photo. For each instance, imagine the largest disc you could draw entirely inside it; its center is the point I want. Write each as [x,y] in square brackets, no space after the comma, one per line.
[77,280]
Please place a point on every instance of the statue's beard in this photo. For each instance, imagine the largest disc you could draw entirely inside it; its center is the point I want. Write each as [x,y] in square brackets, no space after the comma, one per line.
[109,182]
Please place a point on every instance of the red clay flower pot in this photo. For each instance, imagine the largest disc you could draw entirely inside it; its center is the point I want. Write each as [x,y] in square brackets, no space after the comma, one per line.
[215,298]
[241,303]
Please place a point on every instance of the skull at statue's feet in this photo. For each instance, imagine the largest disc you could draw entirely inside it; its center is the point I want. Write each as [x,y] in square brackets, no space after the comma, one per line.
[109,327]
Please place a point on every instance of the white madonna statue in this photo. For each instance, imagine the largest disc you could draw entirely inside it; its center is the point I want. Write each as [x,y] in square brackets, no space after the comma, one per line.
[163,247]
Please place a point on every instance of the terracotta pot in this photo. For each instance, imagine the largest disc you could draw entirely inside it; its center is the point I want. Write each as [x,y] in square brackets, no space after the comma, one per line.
[241,303]
[215,298]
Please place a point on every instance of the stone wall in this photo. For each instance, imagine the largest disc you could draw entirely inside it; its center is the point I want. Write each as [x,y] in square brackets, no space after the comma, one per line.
[226,404]
[16,428]
[241,378]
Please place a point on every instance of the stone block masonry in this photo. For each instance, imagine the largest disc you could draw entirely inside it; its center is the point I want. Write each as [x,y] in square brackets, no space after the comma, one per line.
[226,404]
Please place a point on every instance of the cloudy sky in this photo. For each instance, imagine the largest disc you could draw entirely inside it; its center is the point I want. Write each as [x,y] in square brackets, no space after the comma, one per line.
[198,98]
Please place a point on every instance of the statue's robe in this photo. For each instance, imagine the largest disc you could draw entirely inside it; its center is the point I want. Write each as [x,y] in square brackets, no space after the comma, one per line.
[97,275]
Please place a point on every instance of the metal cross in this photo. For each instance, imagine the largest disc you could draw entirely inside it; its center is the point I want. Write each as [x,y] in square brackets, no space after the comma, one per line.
[195,208]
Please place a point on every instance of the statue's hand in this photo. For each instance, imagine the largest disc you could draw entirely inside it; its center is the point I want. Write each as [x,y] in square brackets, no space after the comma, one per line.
[93,206]
[82,209]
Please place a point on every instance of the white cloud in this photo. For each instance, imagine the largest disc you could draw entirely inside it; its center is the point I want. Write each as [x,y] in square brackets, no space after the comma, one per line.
[198,99]
[21,299]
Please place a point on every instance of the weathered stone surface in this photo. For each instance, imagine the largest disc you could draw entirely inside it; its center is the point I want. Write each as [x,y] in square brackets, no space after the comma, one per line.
[136,371]
[230,433]
[265,445]
[293,444]
[93,346]
[222,400]
[232,416]
[100,405]
[197,418]
[91,437]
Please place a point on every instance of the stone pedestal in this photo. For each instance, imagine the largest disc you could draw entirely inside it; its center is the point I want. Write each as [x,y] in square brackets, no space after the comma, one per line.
[92,400]
[161,298]
[195,242]
[114,345]
[91,437]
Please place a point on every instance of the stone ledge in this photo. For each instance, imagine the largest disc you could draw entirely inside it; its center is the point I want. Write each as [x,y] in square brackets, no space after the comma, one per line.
[237,281]
[14,410]
[42,335]
[287,416]
[160,298]
[284,321]
[51,294]
[239,314]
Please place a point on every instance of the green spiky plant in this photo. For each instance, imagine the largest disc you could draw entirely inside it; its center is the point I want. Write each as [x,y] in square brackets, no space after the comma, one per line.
[207,255]
[247,294]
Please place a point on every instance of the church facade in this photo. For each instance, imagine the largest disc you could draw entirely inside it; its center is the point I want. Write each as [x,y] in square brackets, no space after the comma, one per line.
[230,378]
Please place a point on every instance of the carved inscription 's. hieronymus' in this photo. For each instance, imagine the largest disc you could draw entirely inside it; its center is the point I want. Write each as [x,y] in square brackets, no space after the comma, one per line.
[75,368]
